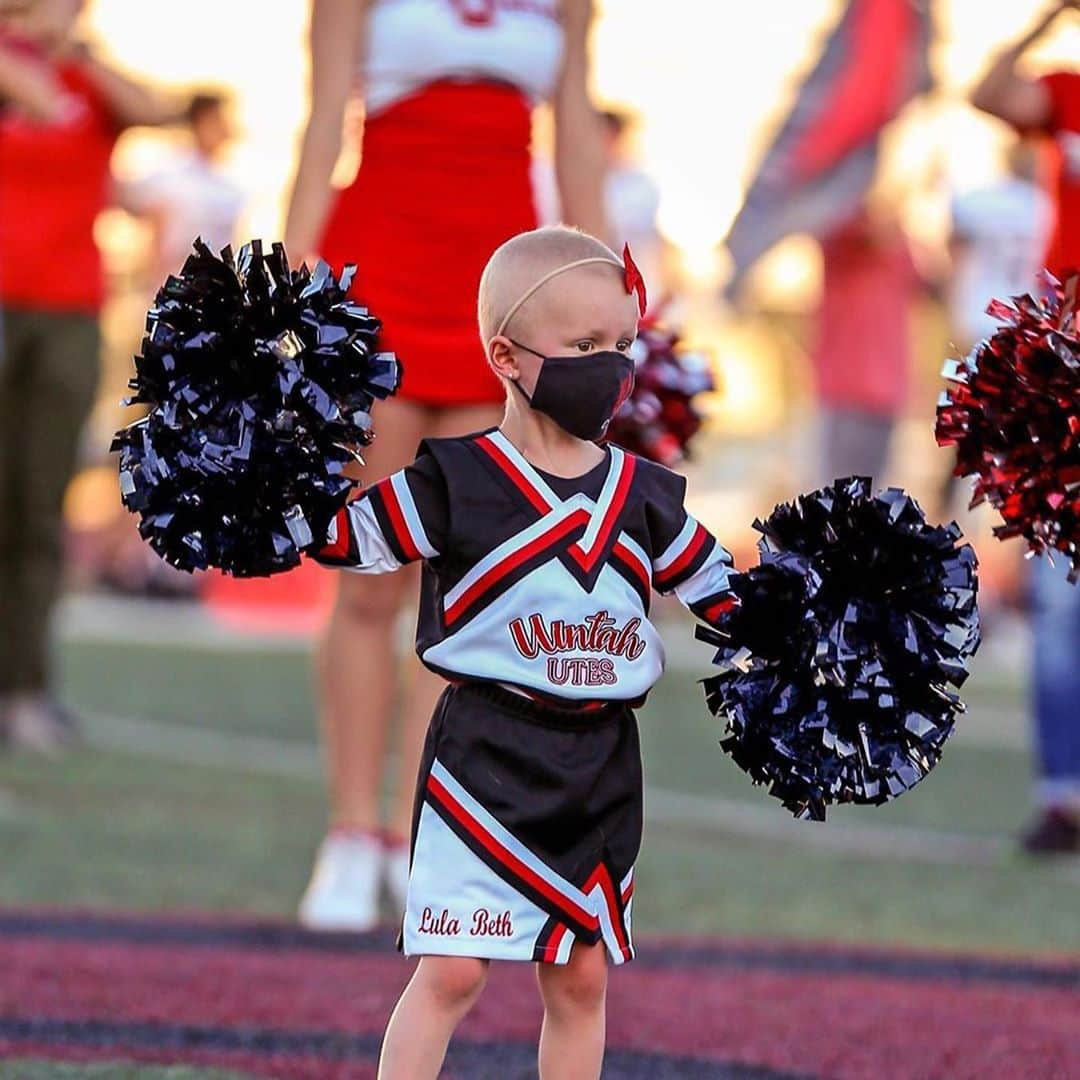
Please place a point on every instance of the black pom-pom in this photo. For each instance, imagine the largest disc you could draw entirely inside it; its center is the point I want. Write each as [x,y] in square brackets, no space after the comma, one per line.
[260,381]
[1013,412]
[836,661]
[659,418]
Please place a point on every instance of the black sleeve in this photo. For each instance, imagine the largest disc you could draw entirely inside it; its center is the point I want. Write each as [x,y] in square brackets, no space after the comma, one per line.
[396,521]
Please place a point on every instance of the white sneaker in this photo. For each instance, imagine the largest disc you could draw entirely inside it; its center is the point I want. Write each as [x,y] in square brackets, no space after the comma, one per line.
[396,874]
[343,893]
[33,723]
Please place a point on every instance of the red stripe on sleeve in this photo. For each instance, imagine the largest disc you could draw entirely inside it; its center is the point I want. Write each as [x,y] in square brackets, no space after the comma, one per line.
[721,607]
[685,559]
[397,520]
[339,549]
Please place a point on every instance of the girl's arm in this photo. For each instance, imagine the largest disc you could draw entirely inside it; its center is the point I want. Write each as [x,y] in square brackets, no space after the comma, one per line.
[579,152]
[399,520]
[336,41]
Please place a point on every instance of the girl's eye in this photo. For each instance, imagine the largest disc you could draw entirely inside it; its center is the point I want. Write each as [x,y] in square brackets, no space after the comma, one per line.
[623,345]
[584,346]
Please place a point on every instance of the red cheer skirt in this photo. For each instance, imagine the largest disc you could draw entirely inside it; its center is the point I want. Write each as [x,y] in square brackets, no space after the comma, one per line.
[444,179]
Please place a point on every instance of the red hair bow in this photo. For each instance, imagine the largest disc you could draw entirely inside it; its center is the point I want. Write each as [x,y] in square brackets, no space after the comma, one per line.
[632,279]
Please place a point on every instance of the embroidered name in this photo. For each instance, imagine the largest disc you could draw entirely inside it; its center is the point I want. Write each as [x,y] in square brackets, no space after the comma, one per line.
[484,924]
[578,672]
[487,924]
[599,633]
[444,925]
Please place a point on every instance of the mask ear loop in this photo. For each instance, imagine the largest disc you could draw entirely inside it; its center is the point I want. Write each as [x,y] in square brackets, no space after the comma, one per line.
[515,382]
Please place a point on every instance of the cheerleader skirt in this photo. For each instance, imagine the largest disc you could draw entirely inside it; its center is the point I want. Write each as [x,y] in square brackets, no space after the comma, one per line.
[526,827]
[444,179]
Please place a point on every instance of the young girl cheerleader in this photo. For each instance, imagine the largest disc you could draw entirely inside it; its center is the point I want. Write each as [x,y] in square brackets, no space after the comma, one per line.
[540,548]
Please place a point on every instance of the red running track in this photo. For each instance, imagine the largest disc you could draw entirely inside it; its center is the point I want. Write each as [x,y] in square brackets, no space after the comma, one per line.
[271,1000]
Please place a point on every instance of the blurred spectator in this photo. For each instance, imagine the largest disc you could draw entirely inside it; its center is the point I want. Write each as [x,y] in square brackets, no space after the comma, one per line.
[1050,107]
[996,244]
[192,195]
[996,241]
[632,202]
[862,353]
[61,110]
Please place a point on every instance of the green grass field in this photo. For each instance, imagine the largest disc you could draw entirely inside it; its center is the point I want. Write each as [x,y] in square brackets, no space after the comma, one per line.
[30,1069]
[142,823]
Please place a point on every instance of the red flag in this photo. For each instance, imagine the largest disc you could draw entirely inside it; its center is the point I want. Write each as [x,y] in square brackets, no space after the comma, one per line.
[823,161]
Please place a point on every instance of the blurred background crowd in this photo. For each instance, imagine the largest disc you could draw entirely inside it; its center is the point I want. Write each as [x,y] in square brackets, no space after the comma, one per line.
[823,196]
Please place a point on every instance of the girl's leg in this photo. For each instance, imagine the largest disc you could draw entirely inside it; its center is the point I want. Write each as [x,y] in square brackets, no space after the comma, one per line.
[572,1036]
[440,993]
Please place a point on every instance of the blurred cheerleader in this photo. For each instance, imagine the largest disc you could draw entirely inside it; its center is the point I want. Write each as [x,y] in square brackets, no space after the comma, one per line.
[448,88]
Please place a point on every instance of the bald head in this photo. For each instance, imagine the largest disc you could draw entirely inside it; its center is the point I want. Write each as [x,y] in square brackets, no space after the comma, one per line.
[524,260]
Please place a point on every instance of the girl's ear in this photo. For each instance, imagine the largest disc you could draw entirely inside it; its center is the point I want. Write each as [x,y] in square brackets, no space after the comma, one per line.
[501,356]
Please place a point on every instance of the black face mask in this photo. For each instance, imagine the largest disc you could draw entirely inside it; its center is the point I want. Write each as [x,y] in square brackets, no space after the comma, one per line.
[581,393]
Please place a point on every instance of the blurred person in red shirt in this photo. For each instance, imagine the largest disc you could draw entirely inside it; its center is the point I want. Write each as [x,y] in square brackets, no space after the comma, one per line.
[61,110]
[862,352]
[1049,108]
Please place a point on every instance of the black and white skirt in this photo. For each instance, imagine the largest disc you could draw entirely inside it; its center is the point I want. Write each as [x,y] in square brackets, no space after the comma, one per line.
[525,830]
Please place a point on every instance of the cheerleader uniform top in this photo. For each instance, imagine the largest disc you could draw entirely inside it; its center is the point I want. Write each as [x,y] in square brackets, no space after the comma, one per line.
[537,583]
[412,43]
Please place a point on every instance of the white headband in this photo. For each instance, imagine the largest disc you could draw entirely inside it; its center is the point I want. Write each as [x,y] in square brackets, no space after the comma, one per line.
[547,277]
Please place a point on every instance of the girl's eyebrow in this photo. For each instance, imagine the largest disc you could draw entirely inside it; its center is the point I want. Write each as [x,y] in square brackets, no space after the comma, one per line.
[597,335]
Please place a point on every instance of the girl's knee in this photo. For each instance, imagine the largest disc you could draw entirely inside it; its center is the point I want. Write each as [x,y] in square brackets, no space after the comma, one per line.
[579,985]
[453,982]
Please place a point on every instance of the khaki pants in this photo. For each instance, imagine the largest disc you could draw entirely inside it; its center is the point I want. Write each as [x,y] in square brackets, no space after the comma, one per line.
[48,374]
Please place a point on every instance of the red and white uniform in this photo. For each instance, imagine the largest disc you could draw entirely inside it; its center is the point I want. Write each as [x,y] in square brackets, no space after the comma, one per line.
[449,87]
[534,606]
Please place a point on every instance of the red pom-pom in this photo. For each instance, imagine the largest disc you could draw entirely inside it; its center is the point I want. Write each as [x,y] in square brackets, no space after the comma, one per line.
[659,418]
[1012,409]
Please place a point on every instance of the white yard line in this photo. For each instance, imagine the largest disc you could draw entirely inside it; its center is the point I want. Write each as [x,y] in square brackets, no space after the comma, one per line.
[771,822]
[260,754]
[283,757]
[180,624]
[187,626]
